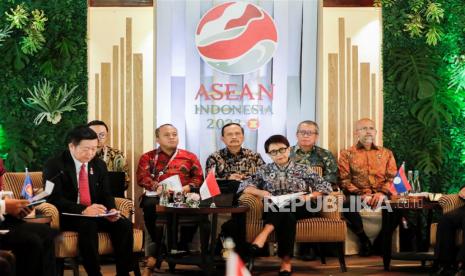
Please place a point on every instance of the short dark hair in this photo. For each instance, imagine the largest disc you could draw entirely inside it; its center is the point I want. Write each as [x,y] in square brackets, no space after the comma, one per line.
[97,123]
[231,124]
[79,133]
[275,139]
[157,131]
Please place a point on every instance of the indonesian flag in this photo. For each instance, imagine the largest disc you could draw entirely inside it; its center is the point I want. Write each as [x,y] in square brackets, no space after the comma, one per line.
[209,187]
[235,266]
[400,183]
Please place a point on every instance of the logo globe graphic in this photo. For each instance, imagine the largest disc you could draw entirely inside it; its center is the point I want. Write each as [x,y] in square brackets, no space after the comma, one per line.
[236,37]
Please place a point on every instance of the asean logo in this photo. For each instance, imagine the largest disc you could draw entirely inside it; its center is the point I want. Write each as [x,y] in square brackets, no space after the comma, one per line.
[236,37]
[253,124]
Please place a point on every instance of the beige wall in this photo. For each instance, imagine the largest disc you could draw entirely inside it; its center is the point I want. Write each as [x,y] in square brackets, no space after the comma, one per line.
[105,28]
[363,26]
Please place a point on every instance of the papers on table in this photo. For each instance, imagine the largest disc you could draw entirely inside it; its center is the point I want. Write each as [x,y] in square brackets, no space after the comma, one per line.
[109,214]
[173,183]
[49,185]
[282,200]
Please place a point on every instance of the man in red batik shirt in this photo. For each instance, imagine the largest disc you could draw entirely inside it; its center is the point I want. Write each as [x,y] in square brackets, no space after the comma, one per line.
[155,166]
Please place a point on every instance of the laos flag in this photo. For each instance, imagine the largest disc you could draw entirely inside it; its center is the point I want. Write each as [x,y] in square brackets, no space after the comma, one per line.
[400,183]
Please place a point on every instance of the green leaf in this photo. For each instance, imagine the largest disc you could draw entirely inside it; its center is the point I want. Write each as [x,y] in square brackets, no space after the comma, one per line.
[413,71]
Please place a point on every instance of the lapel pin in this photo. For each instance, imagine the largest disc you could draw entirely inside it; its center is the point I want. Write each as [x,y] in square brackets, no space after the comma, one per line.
[91,170]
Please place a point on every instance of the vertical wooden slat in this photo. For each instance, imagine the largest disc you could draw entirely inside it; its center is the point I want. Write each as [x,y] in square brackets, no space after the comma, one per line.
[122,97]
[355,92]
[348,115]
[115,104]
[380,110]
[365,89]
[333,103]
[106,91]
[97,96]
[373,97]
[129,149]
[342,85]
[138,116]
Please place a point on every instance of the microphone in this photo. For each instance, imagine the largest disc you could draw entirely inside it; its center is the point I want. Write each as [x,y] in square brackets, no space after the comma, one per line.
[55,176]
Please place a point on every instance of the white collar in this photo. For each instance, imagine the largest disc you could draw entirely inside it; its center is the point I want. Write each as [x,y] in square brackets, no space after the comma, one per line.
[78,164]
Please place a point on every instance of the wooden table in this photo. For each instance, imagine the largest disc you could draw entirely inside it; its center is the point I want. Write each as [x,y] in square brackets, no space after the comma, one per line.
[208,233]
[392,219]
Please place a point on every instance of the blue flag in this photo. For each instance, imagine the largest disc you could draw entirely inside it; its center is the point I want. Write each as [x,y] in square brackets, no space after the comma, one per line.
[27,191]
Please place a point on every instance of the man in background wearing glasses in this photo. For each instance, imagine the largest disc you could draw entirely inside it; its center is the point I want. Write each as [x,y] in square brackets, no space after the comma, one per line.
[308,153]
[113,158]
[365,170]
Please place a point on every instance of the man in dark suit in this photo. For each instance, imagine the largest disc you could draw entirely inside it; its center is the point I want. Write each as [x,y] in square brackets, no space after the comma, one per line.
[81,187]
[446,251]
[32,243]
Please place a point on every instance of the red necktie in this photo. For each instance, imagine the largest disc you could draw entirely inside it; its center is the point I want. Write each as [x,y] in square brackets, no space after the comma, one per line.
[84,194]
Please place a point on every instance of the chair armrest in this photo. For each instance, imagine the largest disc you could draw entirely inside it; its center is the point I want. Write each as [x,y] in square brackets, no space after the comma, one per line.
[50,210]
[332,205]
[450,202]
[125,206]
[255,205]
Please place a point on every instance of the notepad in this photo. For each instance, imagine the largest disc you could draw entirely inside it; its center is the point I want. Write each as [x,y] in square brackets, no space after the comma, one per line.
[173,183]
[49,185]
[109,214]
[282,200]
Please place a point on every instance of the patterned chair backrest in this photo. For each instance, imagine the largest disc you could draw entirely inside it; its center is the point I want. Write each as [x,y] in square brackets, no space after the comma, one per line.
[13,181]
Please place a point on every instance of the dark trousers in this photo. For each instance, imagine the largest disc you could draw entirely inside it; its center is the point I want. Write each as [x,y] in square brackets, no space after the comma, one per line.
[148,204]
[121,236]
[285,223]
[32,244]
[353,219]
[446,248]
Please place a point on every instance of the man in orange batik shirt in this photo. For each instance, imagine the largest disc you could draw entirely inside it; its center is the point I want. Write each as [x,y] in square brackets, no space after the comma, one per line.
[365,170]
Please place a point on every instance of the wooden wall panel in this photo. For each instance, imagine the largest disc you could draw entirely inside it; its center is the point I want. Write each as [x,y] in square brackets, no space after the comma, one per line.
[105,92]
[365,98]
[373,97]
[122,96]
[120,3]
[333,103]
[348,114]
[355,92]
[129,96]
[115,101]
[348,3]
[119,102]
[342,85]
[352,92]
[97,96]
[380,114]
[138,121]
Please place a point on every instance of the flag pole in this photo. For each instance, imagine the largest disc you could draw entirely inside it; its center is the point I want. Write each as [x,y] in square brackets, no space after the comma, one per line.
[213,205]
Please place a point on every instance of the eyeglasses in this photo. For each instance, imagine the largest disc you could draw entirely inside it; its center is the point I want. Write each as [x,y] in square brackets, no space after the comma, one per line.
[307,132]
[275,152]
[101,135]
[87,149]
[365,129]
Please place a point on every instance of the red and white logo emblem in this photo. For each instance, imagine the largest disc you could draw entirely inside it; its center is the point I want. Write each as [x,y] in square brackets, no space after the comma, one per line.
[236,37]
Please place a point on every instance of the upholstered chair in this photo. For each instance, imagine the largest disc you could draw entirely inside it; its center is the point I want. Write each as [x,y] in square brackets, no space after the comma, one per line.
[66,244]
